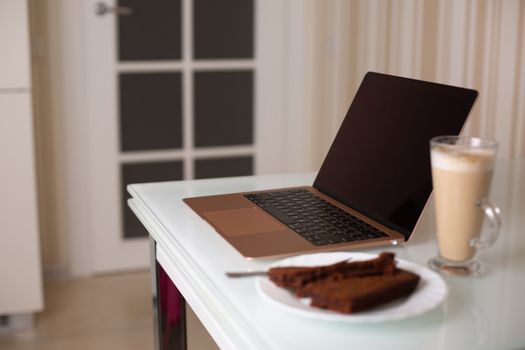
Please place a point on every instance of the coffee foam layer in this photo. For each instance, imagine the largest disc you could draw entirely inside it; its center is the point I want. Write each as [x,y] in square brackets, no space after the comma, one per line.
[462,159]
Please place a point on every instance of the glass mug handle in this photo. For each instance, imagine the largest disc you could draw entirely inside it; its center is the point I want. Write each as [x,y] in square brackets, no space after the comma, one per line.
[492,213]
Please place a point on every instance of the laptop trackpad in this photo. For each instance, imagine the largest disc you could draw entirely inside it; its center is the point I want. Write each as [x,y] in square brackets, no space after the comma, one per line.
[242,222]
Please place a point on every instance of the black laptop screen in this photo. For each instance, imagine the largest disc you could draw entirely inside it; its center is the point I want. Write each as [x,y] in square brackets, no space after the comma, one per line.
[379,162]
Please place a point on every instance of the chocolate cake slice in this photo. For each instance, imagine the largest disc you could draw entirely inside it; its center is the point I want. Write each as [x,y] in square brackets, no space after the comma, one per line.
[354,294]
[348,286]
[297,277]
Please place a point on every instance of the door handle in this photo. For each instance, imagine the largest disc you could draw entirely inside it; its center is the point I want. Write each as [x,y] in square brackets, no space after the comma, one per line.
[101,9]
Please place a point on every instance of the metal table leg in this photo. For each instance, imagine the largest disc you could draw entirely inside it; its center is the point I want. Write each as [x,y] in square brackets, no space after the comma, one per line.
[169,308]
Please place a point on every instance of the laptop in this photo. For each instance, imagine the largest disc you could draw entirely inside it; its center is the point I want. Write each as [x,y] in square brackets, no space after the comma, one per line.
[372,186]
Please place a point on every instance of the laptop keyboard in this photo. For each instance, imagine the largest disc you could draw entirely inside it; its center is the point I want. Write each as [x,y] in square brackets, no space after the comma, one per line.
[314,218]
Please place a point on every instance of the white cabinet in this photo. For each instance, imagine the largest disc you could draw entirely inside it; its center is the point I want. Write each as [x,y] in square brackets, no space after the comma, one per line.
[14,45]
[20,266]
[20,272]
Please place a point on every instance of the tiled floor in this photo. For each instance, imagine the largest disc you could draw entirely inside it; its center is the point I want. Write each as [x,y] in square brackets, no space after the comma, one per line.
[103,312]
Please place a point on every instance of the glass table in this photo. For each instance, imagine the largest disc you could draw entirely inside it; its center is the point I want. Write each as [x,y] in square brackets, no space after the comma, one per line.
[190,260]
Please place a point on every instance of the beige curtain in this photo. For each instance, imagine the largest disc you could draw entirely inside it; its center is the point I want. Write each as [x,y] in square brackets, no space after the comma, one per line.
[471,43]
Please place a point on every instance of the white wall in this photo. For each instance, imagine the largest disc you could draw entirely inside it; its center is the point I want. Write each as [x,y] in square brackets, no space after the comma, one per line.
[59,100]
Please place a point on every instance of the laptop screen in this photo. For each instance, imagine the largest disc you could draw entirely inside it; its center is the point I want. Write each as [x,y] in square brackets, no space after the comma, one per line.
[379,162]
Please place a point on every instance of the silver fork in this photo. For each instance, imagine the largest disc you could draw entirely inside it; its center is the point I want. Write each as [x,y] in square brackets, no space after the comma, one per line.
[246,273]
[236,274]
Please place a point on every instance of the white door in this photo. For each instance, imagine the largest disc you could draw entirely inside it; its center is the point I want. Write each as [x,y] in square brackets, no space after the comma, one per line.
[178,89]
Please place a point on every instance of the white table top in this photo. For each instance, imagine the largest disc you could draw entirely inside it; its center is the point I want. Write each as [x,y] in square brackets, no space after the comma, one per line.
[478,313]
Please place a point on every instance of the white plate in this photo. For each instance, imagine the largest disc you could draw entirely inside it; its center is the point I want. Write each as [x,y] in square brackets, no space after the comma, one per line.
[431,291]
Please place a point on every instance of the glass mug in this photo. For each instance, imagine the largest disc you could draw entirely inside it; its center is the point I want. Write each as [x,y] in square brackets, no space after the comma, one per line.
[462,170]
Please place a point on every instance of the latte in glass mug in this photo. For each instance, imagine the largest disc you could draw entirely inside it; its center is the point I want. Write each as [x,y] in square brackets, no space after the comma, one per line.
[461,175]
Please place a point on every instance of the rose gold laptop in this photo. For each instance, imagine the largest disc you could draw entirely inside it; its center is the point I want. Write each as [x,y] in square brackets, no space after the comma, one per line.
[373,184]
